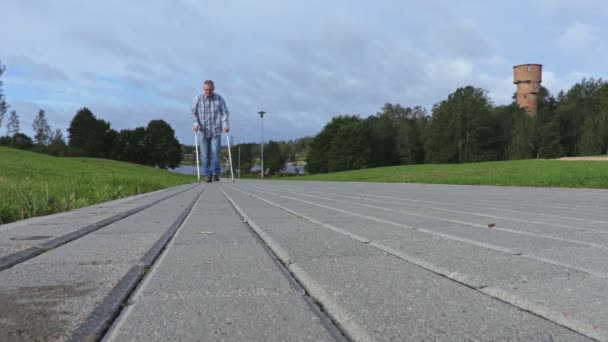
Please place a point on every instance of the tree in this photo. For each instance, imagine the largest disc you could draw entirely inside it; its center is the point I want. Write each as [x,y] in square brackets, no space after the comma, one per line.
[12,127]
[410,141]
[349,149]
[130,146]
[91,135]
[248,153]
[547,127]
[162,147]
[301,145]
[57,146]
[574,108]
[274,157]
[341,145]
[3,104]
[42,129]
[511,137]
[382,131]
[57,138]
[460,129]
[18,140]
[594,139]
[521,144]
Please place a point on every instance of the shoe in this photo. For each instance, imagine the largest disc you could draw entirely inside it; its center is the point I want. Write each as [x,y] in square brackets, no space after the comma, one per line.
[208,179]
[216,178]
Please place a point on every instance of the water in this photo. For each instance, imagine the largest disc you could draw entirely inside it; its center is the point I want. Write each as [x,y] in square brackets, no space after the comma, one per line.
[185,169]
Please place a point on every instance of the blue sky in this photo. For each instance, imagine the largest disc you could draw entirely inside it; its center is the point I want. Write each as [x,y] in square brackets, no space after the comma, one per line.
[302,62]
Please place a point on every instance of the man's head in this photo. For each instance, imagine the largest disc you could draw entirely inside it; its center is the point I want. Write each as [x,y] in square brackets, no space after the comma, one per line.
[208,88]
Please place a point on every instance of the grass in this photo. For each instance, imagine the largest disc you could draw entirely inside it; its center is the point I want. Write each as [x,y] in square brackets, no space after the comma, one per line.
[33,184]
[533,173]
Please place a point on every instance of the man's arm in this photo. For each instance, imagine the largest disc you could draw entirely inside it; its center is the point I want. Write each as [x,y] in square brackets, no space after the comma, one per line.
[225,114]
[194,114]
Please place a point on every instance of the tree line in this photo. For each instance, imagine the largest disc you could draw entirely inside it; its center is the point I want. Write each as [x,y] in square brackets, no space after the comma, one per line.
[276,154]
[88,136]
[467,127]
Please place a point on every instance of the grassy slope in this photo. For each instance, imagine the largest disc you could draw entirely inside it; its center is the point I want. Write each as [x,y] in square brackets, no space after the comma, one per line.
[33,184]
[545,173]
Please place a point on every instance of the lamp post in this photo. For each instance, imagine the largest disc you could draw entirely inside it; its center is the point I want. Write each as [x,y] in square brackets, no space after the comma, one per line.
[262,144]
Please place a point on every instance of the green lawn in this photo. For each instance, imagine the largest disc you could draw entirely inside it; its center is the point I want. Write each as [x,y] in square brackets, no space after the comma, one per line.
[33,184]
[536,173]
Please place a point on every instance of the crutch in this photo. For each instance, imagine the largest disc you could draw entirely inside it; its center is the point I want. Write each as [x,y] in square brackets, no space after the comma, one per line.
[230,157]
[198,171]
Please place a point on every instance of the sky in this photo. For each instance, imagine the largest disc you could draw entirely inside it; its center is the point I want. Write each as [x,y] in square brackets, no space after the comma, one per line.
[300,61]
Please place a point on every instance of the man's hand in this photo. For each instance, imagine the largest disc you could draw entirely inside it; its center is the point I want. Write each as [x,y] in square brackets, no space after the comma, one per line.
[195,128]
[226,129]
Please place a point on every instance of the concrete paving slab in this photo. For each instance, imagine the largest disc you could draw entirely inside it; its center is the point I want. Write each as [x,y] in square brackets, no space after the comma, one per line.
[202,226]
[248,318]
[81,277]
[285,227]
[108,245]
[222,290]
[94,211]
[478,266]
[531,221]
[516,242]
[394,300]
[596,238]
[101,249]
[212,235]
[513,241]
[582,300]
[419,215]
[18,236]
[216,270]
[375,277]
[586,203]
[43,302]
[584,257]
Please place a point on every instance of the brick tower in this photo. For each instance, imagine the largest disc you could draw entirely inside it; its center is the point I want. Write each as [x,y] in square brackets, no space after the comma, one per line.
[528,78]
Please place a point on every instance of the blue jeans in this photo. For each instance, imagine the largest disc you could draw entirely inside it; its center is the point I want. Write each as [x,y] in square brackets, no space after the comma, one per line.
[210,149]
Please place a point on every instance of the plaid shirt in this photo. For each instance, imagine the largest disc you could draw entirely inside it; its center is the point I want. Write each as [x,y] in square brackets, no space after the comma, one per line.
[210,114]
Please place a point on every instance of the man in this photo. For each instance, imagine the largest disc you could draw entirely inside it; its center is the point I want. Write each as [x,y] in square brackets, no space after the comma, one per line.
[209,116]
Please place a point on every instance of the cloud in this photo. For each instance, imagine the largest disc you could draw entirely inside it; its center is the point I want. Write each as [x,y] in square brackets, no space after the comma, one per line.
[585,5]
[578,38]
[302,62]
[556,83]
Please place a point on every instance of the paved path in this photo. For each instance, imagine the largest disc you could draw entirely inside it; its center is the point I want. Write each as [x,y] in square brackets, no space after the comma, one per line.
[265,261]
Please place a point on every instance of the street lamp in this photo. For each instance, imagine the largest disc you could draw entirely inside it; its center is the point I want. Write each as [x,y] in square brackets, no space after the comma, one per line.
[262,144]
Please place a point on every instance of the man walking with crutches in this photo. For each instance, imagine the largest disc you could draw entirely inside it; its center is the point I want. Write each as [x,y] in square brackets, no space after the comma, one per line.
[210,118]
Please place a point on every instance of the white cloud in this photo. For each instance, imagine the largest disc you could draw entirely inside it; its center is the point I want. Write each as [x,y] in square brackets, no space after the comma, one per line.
[132,63]
[578,38]
[457,70]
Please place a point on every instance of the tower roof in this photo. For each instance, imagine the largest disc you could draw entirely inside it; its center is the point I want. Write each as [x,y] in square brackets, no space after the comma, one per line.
[527,64]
